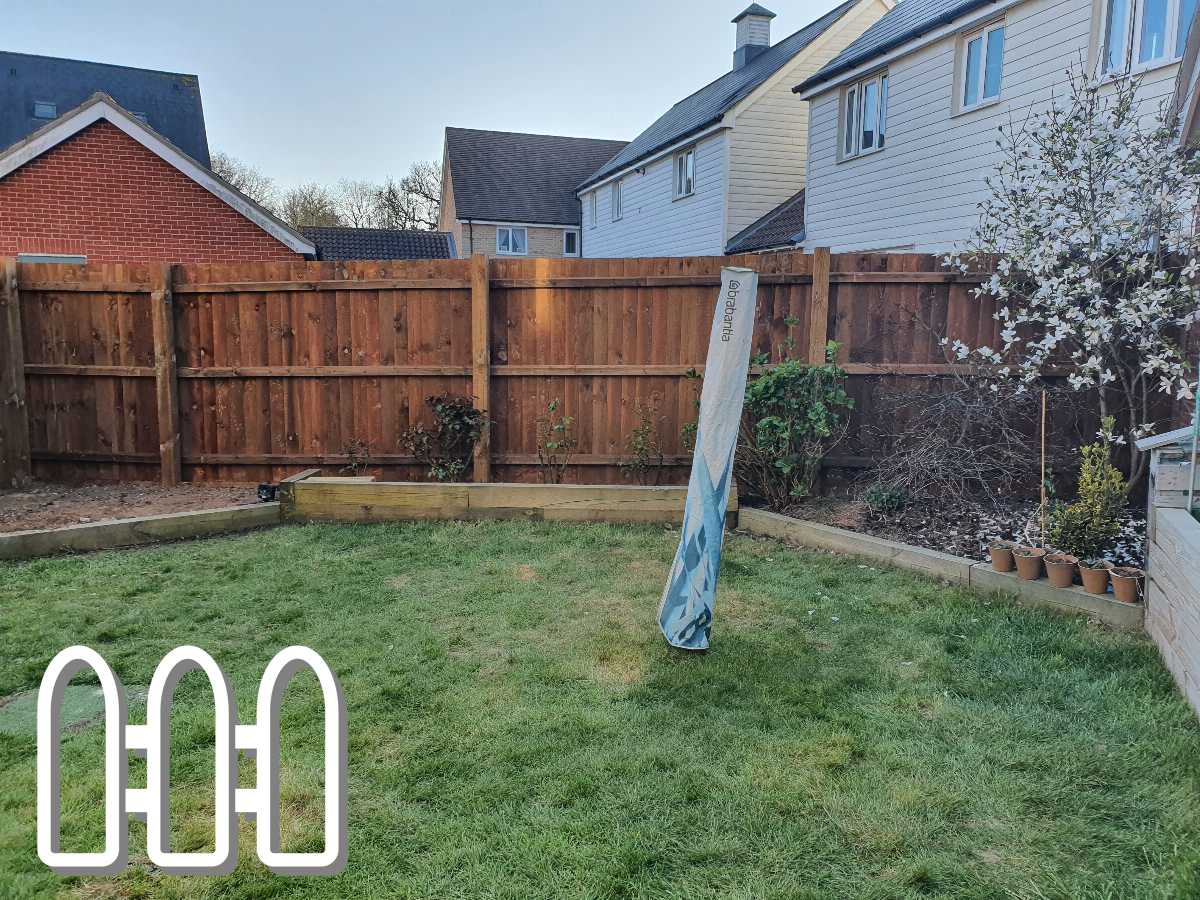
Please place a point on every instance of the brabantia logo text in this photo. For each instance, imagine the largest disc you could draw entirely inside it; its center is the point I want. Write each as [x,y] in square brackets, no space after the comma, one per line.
[260,739]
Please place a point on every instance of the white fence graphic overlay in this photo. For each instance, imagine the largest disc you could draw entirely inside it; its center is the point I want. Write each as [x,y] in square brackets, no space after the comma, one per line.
[259,740]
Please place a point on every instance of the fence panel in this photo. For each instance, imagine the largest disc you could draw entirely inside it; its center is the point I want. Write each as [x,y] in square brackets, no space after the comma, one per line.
[289,365]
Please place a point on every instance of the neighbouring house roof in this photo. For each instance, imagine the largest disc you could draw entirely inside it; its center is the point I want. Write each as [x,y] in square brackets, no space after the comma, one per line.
[1186,101]
[169,101]
[709,104]
[500,176]
[781,227]
[379,243]
[101,107]
[904,22]
[753,9]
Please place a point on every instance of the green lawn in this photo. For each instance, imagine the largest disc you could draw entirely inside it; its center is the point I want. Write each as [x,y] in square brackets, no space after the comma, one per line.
[518,728]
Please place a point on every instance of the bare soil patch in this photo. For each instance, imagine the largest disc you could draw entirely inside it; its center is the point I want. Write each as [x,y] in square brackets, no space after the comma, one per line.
[47,505]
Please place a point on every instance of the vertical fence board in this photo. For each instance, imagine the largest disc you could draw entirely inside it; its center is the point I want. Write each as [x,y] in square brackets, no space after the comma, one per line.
[165,376]
[15,464]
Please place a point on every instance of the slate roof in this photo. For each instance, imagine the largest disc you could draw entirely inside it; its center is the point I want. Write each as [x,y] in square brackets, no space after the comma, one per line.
[501,176]
[753,9]
[379,243]
[781,227]
[905,21]
[710,103]
[170,102]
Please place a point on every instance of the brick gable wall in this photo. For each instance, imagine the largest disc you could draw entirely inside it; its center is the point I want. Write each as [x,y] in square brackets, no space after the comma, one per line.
[102,194]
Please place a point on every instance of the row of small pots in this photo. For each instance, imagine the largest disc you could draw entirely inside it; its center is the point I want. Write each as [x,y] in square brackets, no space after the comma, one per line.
[1061,570]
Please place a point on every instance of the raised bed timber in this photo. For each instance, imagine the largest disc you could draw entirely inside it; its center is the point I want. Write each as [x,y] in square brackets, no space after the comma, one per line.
[133,532]
[314,499]
[977,576]
[1173,597]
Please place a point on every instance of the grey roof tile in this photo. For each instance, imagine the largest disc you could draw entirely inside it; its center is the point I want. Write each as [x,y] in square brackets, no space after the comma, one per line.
[781,227]
[711,102]
[906,20]
[379,243]
[753,9]
[506,177]
[170,102]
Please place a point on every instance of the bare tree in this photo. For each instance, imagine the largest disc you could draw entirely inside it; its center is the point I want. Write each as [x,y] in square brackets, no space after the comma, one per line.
[250,181]
[358,203]
[413,202]
[310,204]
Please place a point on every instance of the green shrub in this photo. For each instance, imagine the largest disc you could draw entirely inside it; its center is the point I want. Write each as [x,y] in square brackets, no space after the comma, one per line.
[556,443]
[794,414]
[885,498]
[1088,527]
[446,448]
[645,463]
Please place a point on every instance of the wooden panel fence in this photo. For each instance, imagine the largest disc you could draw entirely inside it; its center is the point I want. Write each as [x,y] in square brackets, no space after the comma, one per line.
[249,372]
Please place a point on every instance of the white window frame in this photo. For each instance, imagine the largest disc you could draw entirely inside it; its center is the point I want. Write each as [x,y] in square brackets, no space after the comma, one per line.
[1132,26]
[62,259]
[982,34]
[615,201]
[593,216]
[578,246]
[677,188]
[511,229]
[850,138]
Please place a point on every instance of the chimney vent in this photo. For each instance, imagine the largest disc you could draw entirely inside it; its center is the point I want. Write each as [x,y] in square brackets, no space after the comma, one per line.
[753,33]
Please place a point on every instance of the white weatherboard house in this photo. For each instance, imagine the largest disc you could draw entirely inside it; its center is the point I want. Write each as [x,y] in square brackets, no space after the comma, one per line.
[903,123]
[727,162]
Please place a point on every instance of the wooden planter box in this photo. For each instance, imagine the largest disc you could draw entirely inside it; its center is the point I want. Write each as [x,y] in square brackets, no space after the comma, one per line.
[314,499]
[1173,597]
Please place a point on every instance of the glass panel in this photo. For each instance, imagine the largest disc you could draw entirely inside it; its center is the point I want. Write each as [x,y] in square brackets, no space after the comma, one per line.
[518,240]
[1187,10]
[1153,35]
[616,200]
[680,176]
[569,243]
[690,167]
[503,244]
[971,72]
[851,120]
[882,109]
[993,67]
[1117,30]
[870,114]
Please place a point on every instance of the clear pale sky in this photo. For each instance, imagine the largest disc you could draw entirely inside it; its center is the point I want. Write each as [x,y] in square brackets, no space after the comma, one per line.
[327,90]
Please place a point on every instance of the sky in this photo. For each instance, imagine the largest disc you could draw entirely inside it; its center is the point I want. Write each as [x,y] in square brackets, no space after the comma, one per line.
[320,91]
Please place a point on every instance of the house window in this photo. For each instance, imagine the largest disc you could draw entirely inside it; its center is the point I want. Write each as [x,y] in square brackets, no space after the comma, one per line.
[864,116]
[616,200]
[43,109]
[592,209]
[1142,33]
[685,172]
[512,241]
[982,66]
[570,243]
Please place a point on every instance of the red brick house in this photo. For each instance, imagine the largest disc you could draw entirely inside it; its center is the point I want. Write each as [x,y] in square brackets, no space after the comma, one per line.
[100,184]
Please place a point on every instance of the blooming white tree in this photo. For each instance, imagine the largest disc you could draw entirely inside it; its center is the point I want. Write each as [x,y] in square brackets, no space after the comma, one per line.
[1093,219]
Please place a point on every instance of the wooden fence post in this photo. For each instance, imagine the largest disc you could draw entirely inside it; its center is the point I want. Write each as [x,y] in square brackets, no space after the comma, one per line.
[818,310]
[481,360]
[166,376]
[15,466]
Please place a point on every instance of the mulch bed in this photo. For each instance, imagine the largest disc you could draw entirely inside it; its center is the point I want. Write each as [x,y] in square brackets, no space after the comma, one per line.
[963,529]
[45,505]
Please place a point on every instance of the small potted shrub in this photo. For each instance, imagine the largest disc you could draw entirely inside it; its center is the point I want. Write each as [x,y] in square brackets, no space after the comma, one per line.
[1060,569]
[1001,553]
[1087,528]
[1127,583]
[1094,573]
[1029,562]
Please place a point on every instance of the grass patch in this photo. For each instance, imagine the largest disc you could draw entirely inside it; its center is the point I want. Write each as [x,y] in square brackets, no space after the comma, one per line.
[519,729]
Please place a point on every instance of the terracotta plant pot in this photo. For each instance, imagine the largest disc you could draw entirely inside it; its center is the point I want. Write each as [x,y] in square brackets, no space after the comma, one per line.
[1095,580]
[1127,583]
[1002,555]
[1060,569]
[1029,562]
